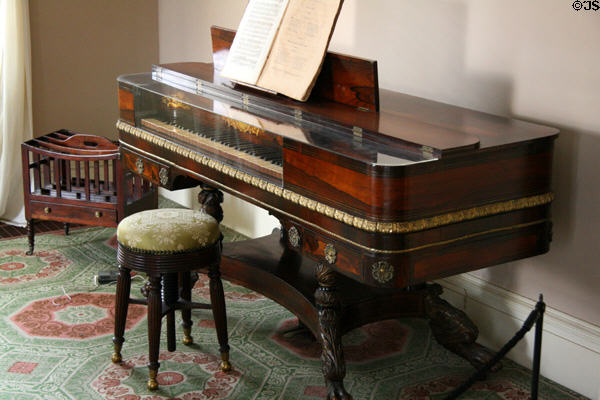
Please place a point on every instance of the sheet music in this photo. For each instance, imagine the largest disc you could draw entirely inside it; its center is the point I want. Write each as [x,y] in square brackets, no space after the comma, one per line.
[299,47]
[253,40]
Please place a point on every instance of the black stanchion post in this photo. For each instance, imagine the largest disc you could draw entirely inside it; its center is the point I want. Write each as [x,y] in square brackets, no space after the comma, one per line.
[535,316]
[537,348]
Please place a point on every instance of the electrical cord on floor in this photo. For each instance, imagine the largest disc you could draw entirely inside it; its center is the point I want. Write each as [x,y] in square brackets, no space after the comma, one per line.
[58,297]
[105,278]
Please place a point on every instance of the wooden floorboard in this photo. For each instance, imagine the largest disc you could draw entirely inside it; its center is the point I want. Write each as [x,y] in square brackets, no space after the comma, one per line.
[10,231]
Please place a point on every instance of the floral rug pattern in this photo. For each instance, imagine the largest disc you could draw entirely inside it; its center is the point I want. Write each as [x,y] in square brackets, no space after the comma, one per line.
[56,329]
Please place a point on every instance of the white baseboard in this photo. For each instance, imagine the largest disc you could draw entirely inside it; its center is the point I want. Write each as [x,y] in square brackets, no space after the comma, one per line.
[570,346]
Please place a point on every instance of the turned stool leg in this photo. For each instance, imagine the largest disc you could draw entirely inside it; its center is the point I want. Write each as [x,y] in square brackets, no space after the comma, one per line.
[154,317]
[186,313]
[171,342]
[170,298]
[217,300]
[121,305]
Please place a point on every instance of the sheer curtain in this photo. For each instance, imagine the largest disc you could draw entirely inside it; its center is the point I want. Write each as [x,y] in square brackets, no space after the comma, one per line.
[15,105]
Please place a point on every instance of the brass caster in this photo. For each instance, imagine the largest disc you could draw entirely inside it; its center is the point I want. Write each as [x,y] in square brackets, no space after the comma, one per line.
[187,337]
[116,358]
[225,366]
[152,383]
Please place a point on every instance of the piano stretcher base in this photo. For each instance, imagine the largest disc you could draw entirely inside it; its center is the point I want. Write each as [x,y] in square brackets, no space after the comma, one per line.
[285,276]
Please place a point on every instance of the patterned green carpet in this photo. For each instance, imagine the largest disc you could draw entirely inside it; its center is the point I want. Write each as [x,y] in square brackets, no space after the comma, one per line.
[54,346]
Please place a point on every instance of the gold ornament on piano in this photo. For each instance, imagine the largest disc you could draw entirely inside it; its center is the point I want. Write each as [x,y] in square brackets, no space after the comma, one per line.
[243,127]
[330,253]
[139,166]
[163,176]
[294,236]
[173,103]
[175,108]
[382,271]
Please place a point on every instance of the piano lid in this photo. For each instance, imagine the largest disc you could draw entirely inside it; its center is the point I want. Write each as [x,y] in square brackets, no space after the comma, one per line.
[283,128]
[198,78]
[433,127]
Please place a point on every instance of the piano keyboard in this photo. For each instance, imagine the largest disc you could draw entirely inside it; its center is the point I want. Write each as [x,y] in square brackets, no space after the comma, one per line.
[225,142]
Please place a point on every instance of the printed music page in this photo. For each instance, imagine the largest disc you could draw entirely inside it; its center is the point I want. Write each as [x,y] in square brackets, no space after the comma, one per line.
[253,40]
[299,48]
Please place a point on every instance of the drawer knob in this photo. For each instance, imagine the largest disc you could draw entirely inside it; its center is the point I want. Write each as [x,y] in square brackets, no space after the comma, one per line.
[98,214]
[47,210]
[139,165]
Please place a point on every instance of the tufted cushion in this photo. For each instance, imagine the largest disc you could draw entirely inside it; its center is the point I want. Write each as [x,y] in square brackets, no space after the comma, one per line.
[168,229]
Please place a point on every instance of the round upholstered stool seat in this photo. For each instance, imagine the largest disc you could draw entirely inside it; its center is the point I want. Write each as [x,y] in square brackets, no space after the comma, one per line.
[168,230]
[167,245]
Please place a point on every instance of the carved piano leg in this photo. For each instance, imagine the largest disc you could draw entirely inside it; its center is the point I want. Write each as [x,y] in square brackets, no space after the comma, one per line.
[453,329]
[332,355]
[210,200]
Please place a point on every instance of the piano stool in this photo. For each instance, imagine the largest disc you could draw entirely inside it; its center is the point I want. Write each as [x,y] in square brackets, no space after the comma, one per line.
[77,178]
[168,245]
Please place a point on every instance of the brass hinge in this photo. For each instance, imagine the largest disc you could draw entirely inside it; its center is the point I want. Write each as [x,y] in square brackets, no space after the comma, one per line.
[245,100]
[298,115]
[427,152]
[158,74]
[357,132]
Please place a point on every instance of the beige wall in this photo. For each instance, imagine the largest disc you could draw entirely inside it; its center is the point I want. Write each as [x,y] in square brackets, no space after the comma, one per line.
[78,50]
[537,60]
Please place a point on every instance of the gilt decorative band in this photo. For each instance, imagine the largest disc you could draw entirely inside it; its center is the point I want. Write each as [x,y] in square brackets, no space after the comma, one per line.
[342,216]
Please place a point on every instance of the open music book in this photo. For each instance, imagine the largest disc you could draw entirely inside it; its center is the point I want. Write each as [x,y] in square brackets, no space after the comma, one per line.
[280,44]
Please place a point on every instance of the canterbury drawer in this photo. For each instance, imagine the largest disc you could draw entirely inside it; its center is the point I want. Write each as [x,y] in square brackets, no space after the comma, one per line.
[151,170]
[74,214]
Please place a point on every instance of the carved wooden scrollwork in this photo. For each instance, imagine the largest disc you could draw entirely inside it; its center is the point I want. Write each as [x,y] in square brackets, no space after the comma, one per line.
[453,329]
[210,200]
[332,355]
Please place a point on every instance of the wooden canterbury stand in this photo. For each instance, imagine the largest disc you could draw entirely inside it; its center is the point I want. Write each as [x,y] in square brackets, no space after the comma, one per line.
[77,178]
